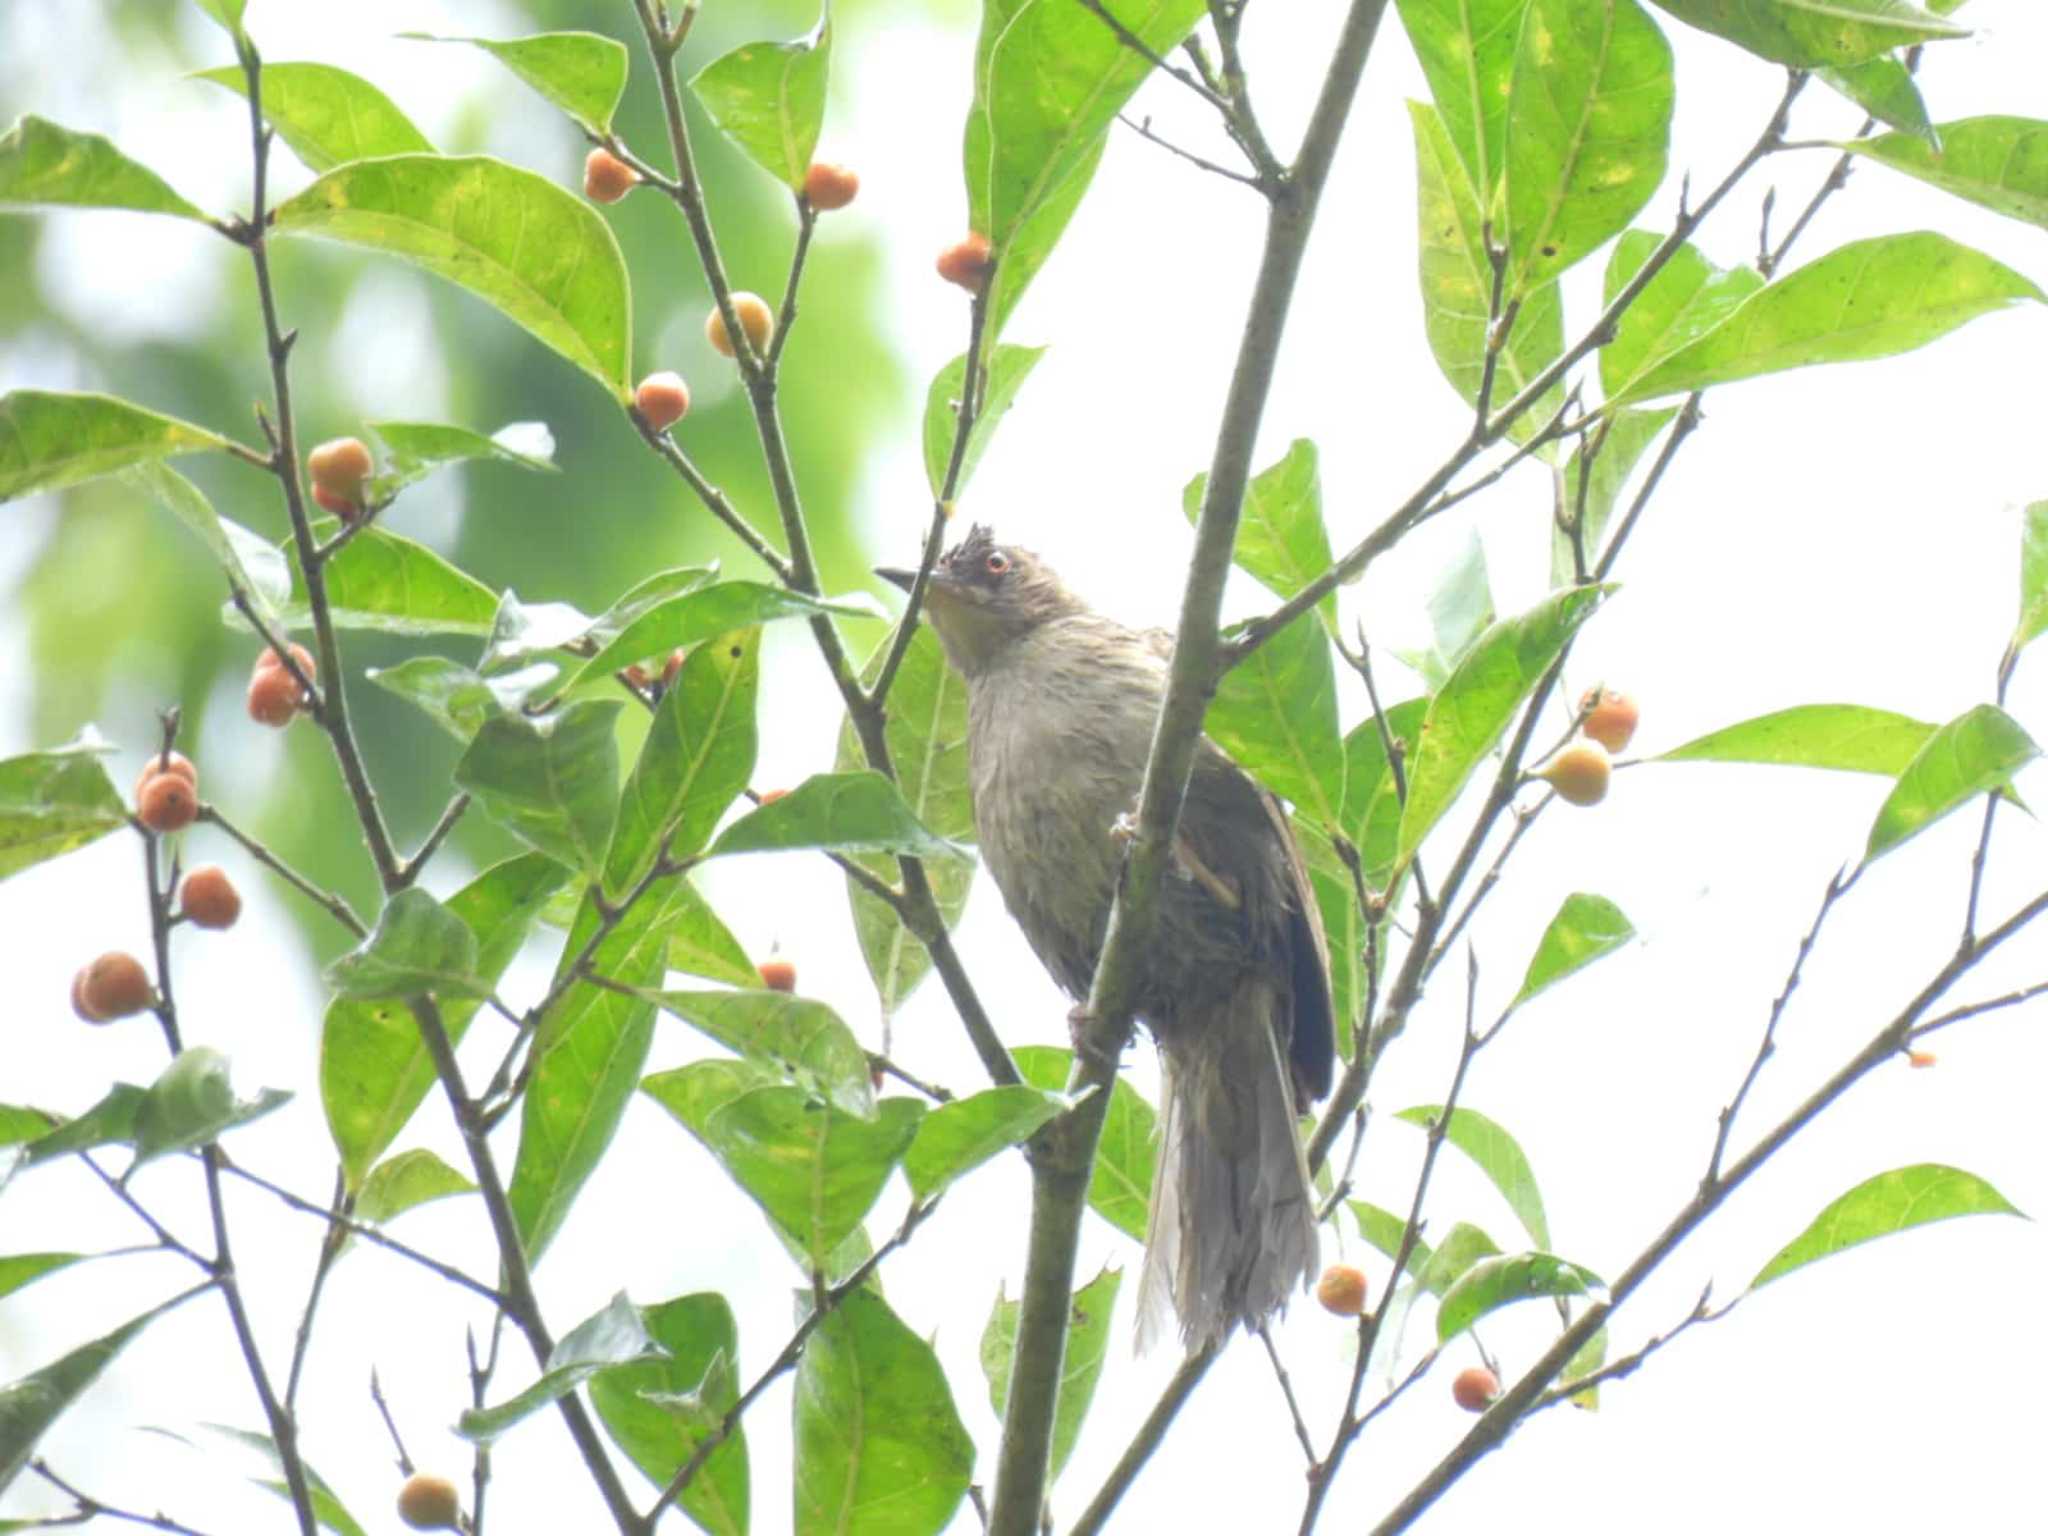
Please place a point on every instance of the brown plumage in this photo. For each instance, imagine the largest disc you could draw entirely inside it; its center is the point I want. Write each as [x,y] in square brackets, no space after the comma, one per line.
[1235,986]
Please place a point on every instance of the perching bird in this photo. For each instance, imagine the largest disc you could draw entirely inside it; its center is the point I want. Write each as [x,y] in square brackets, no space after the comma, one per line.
[1235,984]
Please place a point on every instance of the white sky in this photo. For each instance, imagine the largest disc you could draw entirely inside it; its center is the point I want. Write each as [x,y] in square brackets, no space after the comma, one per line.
[1846,534]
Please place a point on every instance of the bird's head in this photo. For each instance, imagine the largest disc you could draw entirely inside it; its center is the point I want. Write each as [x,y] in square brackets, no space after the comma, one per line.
[983,597]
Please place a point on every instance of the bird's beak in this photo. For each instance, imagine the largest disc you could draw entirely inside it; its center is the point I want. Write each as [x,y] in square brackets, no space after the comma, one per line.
[896,576]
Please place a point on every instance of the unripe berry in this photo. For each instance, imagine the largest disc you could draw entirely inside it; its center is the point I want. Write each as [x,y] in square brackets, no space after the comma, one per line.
[830,187]
[1920,1058]
[966,263]
[607,178]
[1342,1290]
[339,467]
[770,796]
[209,898]
[664,399]
[755,317]
[274,697]
[175,763]
[1609,718]
[167,804]
[111,987]
[778,974]
[429,1503]
[268,660]
[1475,1388]
[1579,773]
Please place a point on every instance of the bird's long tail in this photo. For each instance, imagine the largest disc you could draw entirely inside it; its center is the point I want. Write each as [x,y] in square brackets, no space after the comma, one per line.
[1232,1232]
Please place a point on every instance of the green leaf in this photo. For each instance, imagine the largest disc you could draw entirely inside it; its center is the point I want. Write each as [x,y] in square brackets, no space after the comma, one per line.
[2000,163]
[1281,540]
[684,618]
[700,944]
[698,756]
[374,1067]
[1457,286]
[1847,737]
[411,1178]
[108,1122]
[1974,753]
[1503,1280]
[384,582]
[1372,808]
[1883,87]
[769,98]
[1618,445]
[418,946]
[846,812]
[1462,1247]
[20,1269]
[49,439]
[1497,1155]
[926,729]
[1384,1230]
[1591,1356]
[794,1036]
[328,1510]
[1475,706]
[1812,34]
[29,1407]
[1049,80]
[588,1056]
[1868,299]
[1589,123]
[614,1336]
[228,13]
[251,564]
[2033,576]
[1467,51]
[454,697]
[1003,375]
[1586,928]
[327,116]
[1276,715]
[1460,609]
[1087,1349]
[417,448]
[519,630]
[1687,298]
[814,1169]
[1120,1188]
[551,779]
[1890,1202]
[18,1124]
[879,1444]
[658,1409]
[43,165]
[580,72]
[191,1103]
[539,255]
[53,802]
[959,1137]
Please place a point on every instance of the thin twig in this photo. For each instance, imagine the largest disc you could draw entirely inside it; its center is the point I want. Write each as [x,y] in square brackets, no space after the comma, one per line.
[333,904]
[409,871]
[1308,1445]
[1144,131]
[90,1509]
[1147,1440]
[405,1461]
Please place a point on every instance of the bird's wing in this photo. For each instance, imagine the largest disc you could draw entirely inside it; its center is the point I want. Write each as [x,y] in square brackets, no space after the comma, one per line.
[1312,1046]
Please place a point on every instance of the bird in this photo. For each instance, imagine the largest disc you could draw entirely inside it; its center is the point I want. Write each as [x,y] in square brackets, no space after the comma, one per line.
[1234,983]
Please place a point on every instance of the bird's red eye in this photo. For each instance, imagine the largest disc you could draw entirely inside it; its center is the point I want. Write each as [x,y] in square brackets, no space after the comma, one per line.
[998,562]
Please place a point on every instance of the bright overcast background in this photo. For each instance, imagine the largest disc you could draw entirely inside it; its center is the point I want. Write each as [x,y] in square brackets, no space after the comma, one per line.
[1847,534]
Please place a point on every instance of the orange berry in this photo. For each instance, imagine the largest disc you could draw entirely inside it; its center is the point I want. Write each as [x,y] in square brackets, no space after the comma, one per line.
[111,987]
[663,398]
[638,676]
[167,804]
[778,974]
[1579,773]
[966,263]
[607,178]
[828,188]
[175,763]
[1920,1058]
[332,501]
[268,660]
[1608,718]
[429,1503]
[755,317]
[1342,1290]
[209,898]
[672,668]
[1475,1388]
[339,467]
[274,697]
